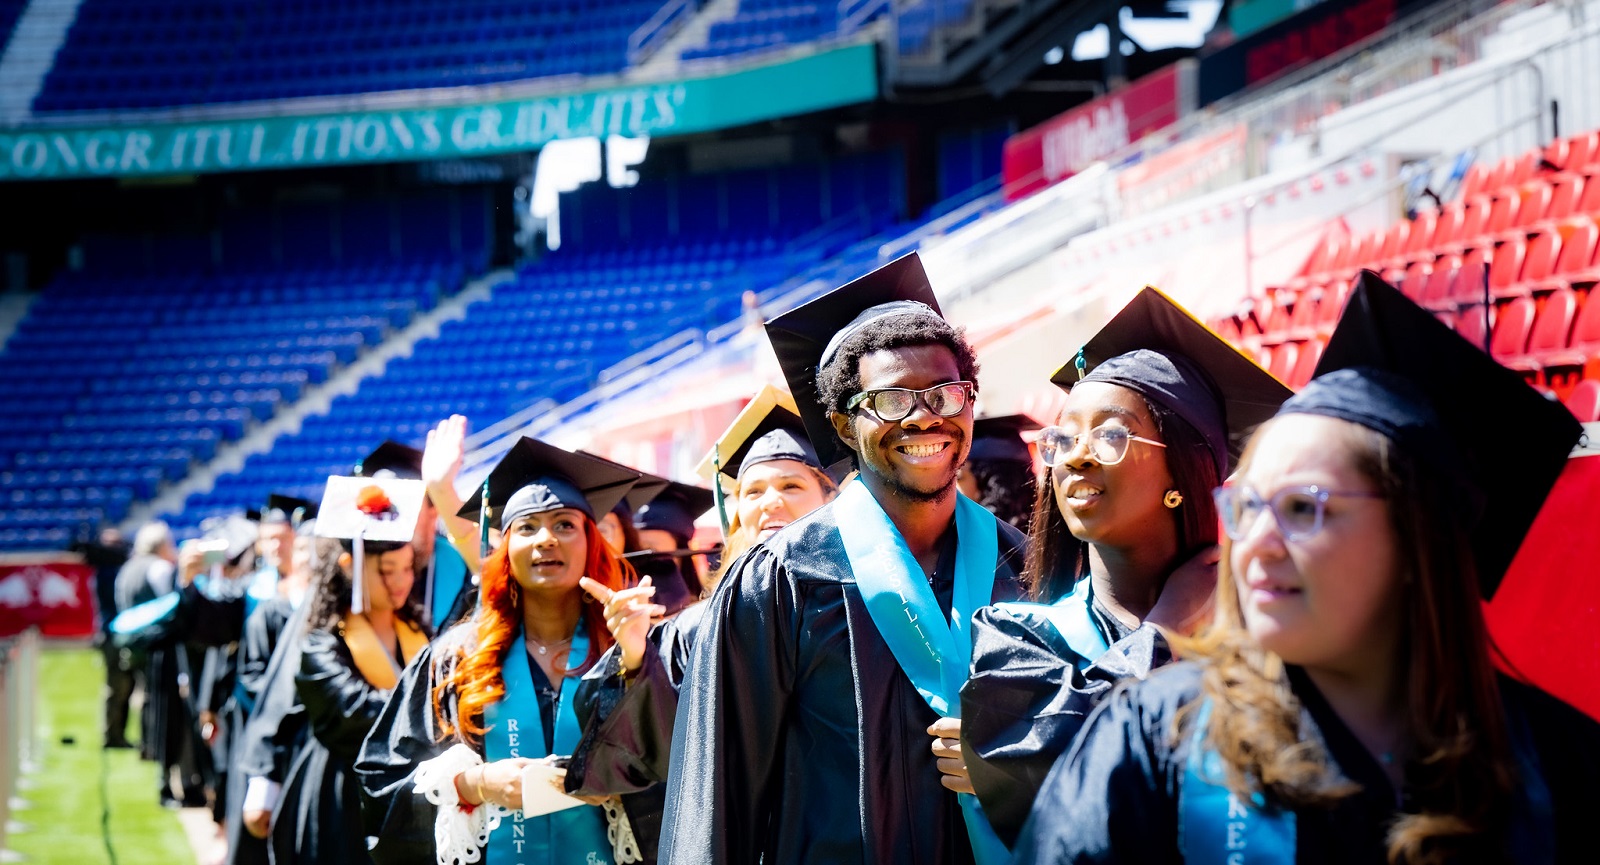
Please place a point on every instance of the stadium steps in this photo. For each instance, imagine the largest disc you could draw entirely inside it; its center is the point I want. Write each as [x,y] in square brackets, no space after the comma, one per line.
[692,35]
[40,33]
[317,400]
[13,308]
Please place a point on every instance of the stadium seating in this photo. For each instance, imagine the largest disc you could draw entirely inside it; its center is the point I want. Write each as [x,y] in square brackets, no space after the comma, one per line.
[763,25]
[120,54]
[694,246]
[1511,265]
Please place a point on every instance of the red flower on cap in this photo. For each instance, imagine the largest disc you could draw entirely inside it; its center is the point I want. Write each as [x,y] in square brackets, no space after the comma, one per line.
[373,501]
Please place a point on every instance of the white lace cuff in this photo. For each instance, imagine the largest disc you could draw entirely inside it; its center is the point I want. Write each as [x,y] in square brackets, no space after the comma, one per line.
[458,835]
[261,794]
[620,833]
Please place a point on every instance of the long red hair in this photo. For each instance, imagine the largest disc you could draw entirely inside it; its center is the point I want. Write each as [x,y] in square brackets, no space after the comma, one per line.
[476,679]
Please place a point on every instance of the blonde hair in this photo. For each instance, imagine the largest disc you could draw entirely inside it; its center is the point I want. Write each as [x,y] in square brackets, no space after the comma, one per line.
[740,540]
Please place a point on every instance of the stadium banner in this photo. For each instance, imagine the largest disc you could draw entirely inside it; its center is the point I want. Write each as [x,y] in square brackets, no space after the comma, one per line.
[54,595]
[1313,32]
[1188,170]
[1074,140]
[843,76]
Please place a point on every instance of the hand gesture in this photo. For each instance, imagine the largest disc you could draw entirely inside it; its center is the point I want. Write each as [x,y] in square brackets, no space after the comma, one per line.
[946,733]
[628,615]
[1186,599]
[441,456]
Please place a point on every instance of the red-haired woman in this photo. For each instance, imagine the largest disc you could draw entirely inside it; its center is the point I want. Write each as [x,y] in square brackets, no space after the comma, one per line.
[443,768]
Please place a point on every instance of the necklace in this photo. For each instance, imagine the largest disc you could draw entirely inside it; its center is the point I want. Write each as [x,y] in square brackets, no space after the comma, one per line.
[544,648]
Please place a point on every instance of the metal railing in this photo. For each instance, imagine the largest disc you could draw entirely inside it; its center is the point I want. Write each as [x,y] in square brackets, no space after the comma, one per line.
[663,25]
[19,678]
[853,14]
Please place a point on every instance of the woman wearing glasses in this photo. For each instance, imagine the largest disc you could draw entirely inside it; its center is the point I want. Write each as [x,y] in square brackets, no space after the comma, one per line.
[1122,541]
[1343,706]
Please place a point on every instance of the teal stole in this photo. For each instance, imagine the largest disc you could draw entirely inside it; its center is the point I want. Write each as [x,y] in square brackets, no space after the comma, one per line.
[1214,826]
[936,656]
[263,587]
[447,576]
[1071,618]
[516,729]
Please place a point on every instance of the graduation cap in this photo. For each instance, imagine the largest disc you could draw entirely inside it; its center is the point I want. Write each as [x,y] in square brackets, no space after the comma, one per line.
[644,489]
[391,460]
[1392,367]
[806,337]
[1155,348]
[288,509]
[1000,438]
[534,477]
[237,530]
[362,509]
[674,510]
[767,429]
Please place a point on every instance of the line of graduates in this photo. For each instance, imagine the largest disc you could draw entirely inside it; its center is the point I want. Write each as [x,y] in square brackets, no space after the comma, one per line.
[1234,624]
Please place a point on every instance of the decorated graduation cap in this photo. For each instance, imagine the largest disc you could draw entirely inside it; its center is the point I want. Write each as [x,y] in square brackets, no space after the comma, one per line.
[365,510]
[1156,349]
[288,509]
[1392,367]
[535,477]
[236,530]
[391,460]
[674,509]
[807,337]
[766,430]
[1000,438]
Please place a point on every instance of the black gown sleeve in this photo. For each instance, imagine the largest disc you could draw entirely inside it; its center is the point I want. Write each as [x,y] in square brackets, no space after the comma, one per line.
[340,705]
[1567,743]
[261,631]
[1114,797]
[1026,701]
[727,742]
[277,723]
[405,734]
[627,728]
[210,621]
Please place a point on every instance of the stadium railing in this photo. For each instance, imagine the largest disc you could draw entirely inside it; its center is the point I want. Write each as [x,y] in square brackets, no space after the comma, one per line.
[19,675]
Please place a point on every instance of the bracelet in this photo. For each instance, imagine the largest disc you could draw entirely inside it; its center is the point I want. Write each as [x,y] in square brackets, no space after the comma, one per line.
[478,788]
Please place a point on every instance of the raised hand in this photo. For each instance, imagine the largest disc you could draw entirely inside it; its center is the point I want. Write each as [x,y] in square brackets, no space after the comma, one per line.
[628,615]
[441,457]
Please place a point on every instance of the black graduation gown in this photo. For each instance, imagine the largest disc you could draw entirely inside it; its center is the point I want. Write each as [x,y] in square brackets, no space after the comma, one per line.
[261,633]
[1027,699]
[276,729]
[406,734]
[1114,798]
[798,737]
[318,818]
[627,729]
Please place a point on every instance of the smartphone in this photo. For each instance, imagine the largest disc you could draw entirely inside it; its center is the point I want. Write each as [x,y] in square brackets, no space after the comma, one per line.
[212,552]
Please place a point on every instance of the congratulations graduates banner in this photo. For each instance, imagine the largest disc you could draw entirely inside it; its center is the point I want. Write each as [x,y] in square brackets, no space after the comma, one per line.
[842,76]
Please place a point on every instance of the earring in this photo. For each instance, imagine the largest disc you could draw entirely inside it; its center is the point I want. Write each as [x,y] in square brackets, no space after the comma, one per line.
[1172,499]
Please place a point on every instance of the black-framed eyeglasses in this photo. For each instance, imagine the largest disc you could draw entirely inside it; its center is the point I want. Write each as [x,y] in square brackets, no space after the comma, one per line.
[1298,510]
[1107,444]
[895,404]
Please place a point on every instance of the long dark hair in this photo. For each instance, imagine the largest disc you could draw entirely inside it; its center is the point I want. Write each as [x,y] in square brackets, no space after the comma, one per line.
[1056,559]
[331,585]
[1006,487]
[1461,777]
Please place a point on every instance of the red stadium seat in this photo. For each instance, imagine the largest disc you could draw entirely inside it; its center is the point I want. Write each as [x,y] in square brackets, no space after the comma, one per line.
[1439,279]
[1467,285]
[1330,305]
[1303,325]
[1506,268]
[1584,401]
[1474,221]
[1448,229]
[1583,347]
[1474,182]
[1283,361]
[1589,203]
[1503,213]
[1584,152]
[1579,239]
[1276,330]
[1263,356]
[1533,205]
[1419,241]
[1544,249]
[1227,328]
[1512,323]
[1306,364]
[1549,335]
[1470,323]
[1499,175]
[1523,167]
[1415,280]
[1558,152]
[1394,241]
[1564,195]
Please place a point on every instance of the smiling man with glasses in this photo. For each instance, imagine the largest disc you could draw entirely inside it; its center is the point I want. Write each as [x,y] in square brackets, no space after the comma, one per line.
[835,648]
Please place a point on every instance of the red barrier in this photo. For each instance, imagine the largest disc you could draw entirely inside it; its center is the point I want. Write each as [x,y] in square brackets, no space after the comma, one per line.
[1546,615]
[55,596]
[1072,141]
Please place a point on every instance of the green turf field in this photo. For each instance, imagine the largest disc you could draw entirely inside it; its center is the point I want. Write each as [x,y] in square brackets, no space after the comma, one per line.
[67,803]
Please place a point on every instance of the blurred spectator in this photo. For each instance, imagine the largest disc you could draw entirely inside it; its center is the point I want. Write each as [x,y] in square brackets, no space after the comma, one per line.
[107,554]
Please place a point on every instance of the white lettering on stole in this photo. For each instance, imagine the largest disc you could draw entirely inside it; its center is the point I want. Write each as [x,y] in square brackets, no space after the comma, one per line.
[512,737]
[1237,817]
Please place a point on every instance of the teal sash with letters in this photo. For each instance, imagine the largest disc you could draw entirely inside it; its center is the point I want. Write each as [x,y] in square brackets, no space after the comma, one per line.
[1214,826]
[516,729]
[935,655]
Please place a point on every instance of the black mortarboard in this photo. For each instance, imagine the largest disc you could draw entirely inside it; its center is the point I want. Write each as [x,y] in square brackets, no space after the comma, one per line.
[806,337]
[1155,348]
[1000,438]
[1392,367]
[674,510]
[534,477]
[237,530]
[768,428]
[644,489]
[391,460]
[292,509]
